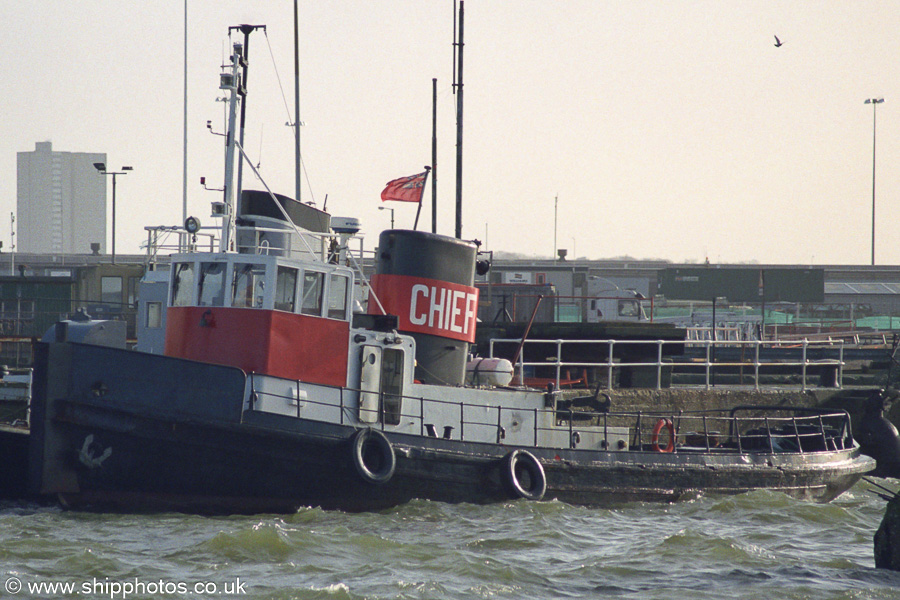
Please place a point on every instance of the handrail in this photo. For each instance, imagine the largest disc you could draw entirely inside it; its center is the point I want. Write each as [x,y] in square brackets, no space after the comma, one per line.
[806,429]
[661,362]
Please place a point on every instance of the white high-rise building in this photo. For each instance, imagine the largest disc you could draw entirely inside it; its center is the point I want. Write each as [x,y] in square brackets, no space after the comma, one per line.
[61,201]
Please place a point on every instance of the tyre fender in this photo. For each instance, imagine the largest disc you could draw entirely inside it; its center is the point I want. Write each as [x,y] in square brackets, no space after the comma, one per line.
[373,456]
[523,475]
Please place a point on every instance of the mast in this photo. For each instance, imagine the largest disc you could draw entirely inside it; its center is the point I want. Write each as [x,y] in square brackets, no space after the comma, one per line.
[297,165]
[242,90]
[459,122]
[230,82]
[184,175]
[555,205]
[434,155]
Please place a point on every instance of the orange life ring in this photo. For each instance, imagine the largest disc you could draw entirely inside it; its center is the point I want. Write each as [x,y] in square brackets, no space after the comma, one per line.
[654,441]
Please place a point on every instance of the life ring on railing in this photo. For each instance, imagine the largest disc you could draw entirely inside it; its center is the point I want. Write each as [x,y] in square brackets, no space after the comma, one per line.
[523,475]
[373,456]
[654,440]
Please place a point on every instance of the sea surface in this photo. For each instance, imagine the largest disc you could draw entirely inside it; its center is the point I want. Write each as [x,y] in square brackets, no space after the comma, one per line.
[759,545]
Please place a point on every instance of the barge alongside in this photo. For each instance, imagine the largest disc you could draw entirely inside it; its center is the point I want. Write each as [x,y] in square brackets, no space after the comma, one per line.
[275,393]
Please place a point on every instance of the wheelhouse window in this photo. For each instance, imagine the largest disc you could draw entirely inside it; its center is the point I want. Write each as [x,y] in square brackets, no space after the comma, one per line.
[212,284]
[337,297]
[248,285]
[286,289]
[312,293]
[183,284]
[392,385]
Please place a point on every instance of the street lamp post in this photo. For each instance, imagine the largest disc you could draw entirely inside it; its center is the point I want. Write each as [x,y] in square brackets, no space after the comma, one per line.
[555,206]
[101,167]
[874,102]
[392,213]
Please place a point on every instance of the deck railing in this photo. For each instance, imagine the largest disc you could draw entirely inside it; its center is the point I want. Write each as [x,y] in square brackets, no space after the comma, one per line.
[794,355]
[743,429]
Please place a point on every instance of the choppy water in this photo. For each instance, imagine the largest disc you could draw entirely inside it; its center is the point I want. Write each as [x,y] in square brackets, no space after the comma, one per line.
[757,545]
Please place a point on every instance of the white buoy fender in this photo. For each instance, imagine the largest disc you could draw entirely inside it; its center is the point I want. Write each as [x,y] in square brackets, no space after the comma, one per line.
[495,372]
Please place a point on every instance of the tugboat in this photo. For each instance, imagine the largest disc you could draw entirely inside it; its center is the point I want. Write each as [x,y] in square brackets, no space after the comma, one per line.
[275,393]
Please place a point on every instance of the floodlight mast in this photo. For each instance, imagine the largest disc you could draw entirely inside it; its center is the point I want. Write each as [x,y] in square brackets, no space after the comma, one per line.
[874,102]
[101,167]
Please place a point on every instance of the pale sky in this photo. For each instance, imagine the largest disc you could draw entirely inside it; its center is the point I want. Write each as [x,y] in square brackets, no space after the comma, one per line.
[673,130]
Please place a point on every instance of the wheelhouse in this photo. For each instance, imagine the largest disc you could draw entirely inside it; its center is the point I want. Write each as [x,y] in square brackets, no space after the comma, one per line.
[263,314]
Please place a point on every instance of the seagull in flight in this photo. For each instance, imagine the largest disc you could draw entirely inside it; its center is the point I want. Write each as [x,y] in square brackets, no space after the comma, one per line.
[778,43]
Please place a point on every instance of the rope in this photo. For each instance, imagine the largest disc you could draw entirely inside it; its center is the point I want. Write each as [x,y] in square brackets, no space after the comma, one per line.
[290,122]
[275,200]
[278,77]
[363,280]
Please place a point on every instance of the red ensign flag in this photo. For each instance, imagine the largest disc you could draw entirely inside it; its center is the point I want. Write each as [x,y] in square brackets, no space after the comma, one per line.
[405,189]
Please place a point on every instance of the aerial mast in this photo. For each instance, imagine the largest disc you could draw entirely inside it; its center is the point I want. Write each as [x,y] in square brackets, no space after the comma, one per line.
[184,175]
[297,165]
[242,91]
[458,84]
[230,82]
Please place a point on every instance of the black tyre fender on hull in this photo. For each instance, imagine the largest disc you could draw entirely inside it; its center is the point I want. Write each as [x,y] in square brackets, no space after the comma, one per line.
[373,456]
[523,475]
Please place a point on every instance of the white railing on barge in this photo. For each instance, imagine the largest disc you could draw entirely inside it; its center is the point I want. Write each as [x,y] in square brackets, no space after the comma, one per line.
[664,361]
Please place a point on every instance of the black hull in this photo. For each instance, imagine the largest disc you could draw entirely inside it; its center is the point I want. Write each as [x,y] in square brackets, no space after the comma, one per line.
[14,444]
[261,467]
[96,451]
[192,468]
